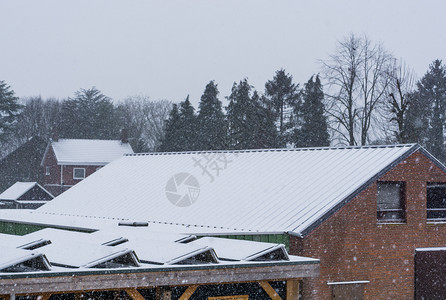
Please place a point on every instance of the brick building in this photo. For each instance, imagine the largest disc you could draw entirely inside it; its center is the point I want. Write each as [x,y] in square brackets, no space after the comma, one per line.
[68,161]
[366,212]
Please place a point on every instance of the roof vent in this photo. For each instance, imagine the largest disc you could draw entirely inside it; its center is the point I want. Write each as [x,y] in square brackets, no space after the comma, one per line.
[133,224]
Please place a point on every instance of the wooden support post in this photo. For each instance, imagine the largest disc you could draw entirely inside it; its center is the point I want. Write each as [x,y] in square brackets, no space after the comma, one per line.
[269,290]
[44,296]
[78,296]
[158,293]
[292,289]
[187,293]
[134,294]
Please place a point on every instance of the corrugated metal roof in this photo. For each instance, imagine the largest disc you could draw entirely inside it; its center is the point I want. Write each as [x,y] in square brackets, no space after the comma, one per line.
[275,190]
[89,152]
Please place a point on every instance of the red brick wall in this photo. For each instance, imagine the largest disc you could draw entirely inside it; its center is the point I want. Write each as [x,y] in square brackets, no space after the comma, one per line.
[50,181]
[50,161]
[68,173]
[352,245]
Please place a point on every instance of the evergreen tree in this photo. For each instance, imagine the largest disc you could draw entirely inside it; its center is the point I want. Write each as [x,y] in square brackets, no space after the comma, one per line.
[188,133]
[428,109]
[264,124]
[9,110]
[181,129]
[281,95]
[89,115]
[250,124]
[314,130]
[171,138]
[211,120]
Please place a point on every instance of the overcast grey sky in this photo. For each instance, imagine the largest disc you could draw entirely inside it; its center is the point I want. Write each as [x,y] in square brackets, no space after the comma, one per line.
[168,49]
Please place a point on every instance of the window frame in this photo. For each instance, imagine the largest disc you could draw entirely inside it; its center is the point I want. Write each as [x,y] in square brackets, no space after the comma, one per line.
[434,219]
[380,213]
[47,171]
[76,177]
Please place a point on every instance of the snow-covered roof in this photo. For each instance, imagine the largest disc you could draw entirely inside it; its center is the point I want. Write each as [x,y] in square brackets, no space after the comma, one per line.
[17,190]
[278,190]
[89,152]
[60,250]
[232,249]
[19,260]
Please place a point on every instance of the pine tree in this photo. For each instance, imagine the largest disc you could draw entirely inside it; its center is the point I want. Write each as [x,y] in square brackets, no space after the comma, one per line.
[211,120]
[426,114]
[314,130]
[9,110]
[264,123]
[171,138]
[89,115]
[281,94]
[250,124]
[188,134]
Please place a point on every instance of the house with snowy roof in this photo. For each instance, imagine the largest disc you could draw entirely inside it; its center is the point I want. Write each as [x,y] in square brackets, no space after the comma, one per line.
[68,161]
[372,215]
[25,195]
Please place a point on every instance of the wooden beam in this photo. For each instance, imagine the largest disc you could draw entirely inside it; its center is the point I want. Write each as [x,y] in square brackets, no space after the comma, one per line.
[292,289]
[187,293]
[134,294]
[269,290]
[95,280]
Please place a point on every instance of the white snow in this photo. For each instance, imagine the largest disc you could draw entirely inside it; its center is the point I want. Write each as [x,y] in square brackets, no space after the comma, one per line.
[89,152]
[257,190]
[16,190]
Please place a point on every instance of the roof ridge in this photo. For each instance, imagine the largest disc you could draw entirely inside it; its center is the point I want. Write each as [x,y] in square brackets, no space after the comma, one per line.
[275,150]
[63,139]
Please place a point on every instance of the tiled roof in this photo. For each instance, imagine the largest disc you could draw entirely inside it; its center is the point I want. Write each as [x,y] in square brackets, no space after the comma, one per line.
[274,190]
[89,152]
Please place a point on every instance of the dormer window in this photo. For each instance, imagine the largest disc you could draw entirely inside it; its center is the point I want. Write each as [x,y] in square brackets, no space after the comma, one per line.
[390,200]
[78,173]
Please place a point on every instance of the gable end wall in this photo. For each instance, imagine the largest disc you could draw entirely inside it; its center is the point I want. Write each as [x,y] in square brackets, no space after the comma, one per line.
[352,245]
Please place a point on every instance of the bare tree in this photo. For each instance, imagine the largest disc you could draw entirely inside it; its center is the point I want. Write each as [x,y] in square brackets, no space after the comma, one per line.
[399,94]
[37,118]
[357,83]
[144,120]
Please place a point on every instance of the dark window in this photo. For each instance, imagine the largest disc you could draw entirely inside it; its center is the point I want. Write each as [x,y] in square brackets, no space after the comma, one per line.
[390,198]
[436,201]
[78,173]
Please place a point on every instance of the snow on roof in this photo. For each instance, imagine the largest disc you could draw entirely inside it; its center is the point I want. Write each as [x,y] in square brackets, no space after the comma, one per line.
[19,260]
[232,249]
[89,152]
[68,249]
[277,190]
[16,190]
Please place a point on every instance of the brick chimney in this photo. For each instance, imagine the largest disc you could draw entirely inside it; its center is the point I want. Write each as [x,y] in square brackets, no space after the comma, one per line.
[55,134]
[124,136]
